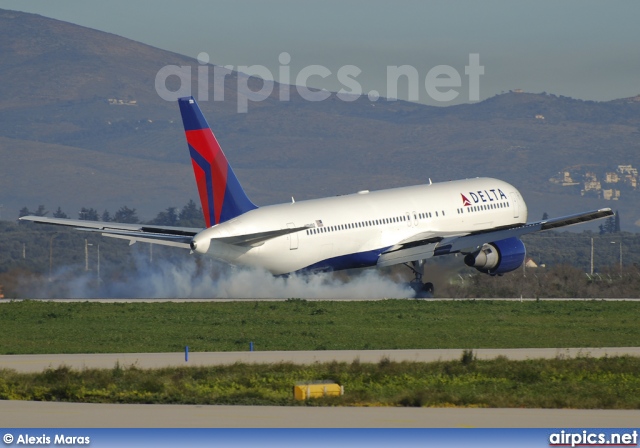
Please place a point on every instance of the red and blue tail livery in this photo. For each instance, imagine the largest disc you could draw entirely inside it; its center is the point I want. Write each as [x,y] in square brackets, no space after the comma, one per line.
[221,194]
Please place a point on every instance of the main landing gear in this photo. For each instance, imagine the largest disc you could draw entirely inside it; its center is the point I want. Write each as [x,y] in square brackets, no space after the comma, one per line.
[422,290]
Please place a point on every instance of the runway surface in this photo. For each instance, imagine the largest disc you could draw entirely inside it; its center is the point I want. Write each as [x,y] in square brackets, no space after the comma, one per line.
[37,363]
[26,414]
[213,300]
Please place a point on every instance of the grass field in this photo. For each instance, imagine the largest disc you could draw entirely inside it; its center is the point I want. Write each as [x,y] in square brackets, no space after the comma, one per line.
[49,327]
[606,383]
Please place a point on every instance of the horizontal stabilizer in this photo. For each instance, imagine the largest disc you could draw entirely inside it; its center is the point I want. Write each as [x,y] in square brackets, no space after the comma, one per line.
[82,224]
[165,235]
[150,238]
[256,239]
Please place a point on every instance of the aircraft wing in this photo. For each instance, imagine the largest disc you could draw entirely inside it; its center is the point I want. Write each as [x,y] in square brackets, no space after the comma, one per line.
[165,235]
[429,244]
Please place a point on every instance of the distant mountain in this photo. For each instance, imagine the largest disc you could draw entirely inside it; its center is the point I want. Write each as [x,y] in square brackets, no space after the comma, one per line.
[82,125]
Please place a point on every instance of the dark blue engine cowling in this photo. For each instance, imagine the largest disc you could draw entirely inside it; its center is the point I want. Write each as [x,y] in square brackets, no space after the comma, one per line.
[498,257]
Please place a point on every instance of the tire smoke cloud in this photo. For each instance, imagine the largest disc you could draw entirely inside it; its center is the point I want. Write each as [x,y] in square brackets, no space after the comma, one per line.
[211,279]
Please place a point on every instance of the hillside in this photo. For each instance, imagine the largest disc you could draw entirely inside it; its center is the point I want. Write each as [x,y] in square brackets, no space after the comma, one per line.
[62,143]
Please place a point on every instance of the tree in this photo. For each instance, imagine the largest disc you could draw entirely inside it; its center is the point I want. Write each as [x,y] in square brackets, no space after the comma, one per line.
[612,224]
[616,222]
[545,216]
[106,217]
[609,226]
[191,215]
[126,215]
[59,213]
[169,217]
[24,211]
[41,211]
[88,214]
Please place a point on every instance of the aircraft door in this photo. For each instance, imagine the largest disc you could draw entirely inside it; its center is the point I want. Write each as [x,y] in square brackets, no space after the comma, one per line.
[293,237]
[516,205]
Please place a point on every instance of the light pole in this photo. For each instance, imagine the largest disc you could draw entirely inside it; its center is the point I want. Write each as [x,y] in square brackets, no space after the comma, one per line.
[592,256]
[99,279]
[51,255]
[620,256]
[86,254]
[620,244]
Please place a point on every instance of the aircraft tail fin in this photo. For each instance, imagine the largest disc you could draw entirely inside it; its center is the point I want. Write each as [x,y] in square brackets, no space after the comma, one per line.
[221,194]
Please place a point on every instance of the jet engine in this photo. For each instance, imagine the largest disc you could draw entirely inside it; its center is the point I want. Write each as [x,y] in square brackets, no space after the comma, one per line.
[498,257]
[200,245]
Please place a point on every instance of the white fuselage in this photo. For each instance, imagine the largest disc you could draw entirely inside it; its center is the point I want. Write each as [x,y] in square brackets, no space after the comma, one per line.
[352,230]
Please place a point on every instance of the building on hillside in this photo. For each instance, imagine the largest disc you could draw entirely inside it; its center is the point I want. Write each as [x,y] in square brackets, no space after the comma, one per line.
[590,176]
[567,181]
[611,195]
[611,178]
[628,169]
[564,178]
[592,186]
[117,102]
[628,175]
[631,181]
[529,263]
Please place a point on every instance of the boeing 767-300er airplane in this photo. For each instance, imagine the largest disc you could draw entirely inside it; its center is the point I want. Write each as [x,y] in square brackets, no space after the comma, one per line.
[480,218]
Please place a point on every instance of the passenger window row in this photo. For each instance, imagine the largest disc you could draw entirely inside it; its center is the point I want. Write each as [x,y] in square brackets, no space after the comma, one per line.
[479,208]
[376,222]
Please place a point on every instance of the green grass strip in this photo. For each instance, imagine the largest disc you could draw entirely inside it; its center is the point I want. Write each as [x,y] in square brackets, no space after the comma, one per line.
[48,327]
[586,383]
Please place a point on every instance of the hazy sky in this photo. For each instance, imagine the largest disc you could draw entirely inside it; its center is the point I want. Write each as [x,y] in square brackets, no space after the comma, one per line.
[583,49]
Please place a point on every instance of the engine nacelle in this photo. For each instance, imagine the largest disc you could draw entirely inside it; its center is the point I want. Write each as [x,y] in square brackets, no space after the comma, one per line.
[200,243]
[498,257]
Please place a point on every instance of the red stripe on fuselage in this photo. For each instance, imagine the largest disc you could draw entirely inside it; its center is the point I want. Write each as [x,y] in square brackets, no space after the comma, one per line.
[205,143]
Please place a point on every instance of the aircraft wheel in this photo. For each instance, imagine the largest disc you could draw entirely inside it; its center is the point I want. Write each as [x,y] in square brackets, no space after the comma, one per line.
[423,291]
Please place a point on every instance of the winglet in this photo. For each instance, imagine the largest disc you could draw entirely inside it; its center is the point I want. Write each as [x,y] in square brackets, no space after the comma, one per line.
[221,194]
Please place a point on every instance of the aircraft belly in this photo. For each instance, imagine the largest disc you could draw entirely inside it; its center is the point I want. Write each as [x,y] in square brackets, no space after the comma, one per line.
[342,253]
[322,254]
